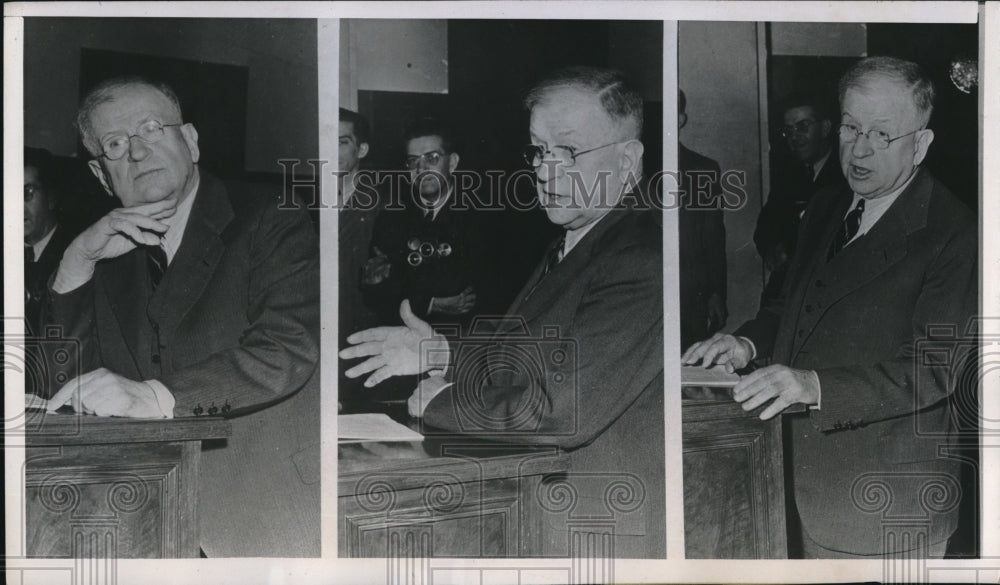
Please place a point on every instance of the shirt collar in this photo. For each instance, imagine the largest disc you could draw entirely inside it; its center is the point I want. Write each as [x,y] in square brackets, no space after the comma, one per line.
[177,223]
[439,205]
[39,246]
[818,165]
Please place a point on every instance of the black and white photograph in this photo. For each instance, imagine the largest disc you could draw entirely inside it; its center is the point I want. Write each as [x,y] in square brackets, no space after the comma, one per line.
[847,355]
[501,300]
[172,303]
[546,291]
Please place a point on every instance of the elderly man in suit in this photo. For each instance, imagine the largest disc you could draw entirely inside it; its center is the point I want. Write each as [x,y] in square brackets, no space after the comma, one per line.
[884,270]
[193,300]
[591,315]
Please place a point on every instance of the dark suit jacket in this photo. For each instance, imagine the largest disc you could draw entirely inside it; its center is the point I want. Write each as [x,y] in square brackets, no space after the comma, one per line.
[861,321]
[458,232]
[702,239]
[234,321]
[792,190]
[36,277]
[354,240]
[580,366]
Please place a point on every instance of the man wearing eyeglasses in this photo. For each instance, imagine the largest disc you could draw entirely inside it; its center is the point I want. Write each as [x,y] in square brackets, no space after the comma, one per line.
[578,364]
[809,133]
[194,300]
[428,244]
[885,273]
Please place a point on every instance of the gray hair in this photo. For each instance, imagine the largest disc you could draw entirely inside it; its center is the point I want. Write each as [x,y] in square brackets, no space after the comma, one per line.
[906,73]
[104,93]
[618,96]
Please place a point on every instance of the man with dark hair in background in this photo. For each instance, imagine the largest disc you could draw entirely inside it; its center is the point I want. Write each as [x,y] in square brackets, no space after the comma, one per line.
[193,299]
[357,221]
[702,239]
[593,308]
[45,238]
[808,130]
[431,251]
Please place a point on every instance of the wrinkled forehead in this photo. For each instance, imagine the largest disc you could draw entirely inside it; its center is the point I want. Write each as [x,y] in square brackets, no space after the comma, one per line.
[571,111]
[889,97]
[799,113]
[133,104]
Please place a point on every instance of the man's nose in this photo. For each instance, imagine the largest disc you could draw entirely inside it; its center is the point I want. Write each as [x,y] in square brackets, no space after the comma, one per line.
[862,147]
[549,169]
[138,149]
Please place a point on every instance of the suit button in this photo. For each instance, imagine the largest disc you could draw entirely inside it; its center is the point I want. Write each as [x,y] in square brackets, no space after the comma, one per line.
[819,283]
[809,308]
[800,332]
[155,358]
[837,426]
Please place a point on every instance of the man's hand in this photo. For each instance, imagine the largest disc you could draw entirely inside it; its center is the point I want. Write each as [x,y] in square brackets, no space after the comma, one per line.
[105,393]
[733,353]
[717,313]
[396,351]
[425,392]
[787,386]
[117,233]
[377,268]
[459,304]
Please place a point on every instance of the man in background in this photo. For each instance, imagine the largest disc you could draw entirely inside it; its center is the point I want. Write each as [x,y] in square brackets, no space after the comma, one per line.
[808,130]
[44,238]
[357,221]
[702,241]
[194,300]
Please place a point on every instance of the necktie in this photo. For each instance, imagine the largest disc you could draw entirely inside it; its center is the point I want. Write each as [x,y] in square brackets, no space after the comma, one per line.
[554,254]
[157,262]
[848,229]
[29,254]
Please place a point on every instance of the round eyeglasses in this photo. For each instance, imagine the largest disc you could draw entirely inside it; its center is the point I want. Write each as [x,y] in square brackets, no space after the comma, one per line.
[431,158]
[534,154]
[800,127]
[114,147]
[850,133]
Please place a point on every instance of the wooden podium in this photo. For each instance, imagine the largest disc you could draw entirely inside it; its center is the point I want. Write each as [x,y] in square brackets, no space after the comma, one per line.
[734,496]
[103,488]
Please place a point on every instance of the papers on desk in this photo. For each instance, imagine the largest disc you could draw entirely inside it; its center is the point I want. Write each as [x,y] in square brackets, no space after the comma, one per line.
[32,402]
[375,427]
[714,377]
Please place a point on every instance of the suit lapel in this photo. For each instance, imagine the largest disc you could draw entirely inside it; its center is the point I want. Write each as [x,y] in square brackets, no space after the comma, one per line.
[536,297]
[125,285]
[867,257]
[197,258]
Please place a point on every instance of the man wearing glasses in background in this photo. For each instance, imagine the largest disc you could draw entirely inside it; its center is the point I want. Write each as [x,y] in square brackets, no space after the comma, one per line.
[883,281]
[809,130]
[194,300]
[591,315]
[428,243]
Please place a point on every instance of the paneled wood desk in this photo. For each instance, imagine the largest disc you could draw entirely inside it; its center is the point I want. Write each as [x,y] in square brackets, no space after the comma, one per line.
[456,498]
[734,497]
[113,487]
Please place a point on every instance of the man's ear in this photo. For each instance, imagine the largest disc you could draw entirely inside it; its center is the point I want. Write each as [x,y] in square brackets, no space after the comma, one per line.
[190,135]
[682,120]
[363,150]
[921,144]
[630,163]
[98,170]
[452,162]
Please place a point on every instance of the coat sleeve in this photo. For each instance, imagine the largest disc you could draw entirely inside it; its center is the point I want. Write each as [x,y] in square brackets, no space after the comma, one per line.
[924,370]
[278,350]
[582,380]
